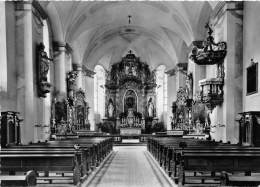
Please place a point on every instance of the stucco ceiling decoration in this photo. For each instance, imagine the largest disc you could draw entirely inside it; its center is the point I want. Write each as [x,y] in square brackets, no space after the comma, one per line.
[129,33]
[158,30]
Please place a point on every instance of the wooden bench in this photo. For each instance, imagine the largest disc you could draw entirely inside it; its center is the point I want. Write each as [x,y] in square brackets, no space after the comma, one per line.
[42,162]
[235,180]
[96,148]
[57,156]
[213,161]
[169,154]
[29,179]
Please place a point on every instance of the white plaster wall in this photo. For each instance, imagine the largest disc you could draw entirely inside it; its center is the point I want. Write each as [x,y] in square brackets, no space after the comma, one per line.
[172,92]
[251,50]
[3,52]
[217,116]
[198,73]
[229,28]
[89,84]
[8,67]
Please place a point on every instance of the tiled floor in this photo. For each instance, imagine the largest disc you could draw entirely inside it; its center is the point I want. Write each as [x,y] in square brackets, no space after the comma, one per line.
[130,166]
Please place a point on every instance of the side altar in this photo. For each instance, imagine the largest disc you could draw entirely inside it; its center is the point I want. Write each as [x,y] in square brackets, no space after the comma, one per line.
[130,96]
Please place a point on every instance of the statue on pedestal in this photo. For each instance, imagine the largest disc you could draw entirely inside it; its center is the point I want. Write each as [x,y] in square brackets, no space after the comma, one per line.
[150,108]
[110,109]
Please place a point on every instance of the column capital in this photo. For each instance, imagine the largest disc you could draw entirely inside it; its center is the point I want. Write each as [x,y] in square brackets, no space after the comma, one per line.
[77,66]
[87,72]
[171,72]
[23,5]
[61,46]
[58,44]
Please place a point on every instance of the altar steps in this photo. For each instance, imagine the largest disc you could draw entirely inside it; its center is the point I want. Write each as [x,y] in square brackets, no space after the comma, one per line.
[130,142]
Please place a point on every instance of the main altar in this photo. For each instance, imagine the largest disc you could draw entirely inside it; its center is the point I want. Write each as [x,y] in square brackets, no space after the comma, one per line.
[130,96]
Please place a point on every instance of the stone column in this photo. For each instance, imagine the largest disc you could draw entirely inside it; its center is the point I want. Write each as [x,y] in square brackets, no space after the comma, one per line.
[60,70]
[24,57]
[3,50]
[89,85]
[172,93]
[198,73]
[228,26]
[78,68]
[180,76]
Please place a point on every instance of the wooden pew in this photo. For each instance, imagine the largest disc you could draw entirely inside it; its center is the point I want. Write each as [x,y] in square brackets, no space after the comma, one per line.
[165,149]
[29,179]
[96,148]
[227,180]
[45,161]
[240,160]
[86,158]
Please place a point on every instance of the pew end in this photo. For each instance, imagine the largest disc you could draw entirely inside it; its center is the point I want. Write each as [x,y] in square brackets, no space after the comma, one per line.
[19,180]
[238,180]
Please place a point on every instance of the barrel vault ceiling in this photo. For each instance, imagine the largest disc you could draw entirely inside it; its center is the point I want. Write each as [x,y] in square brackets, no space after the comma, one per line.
[99,32]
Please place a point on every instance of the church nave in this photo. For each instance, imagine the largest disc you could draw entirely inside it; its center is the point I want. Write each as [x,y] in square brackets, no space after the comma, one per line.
[129,93]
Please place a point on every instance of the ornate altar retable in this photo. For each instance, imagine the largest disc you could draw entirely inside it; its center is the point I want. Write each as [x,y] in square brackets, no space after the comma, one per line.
[130,95]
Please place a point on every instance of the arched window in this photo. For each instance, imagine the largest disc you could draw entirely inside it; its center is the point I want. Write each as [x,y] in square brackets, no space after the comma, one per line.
[161,93]
[99,93]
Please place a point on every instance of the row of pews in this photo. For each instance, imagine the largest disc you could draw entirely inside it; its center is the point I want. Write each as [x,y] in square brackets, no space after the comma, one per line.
[61,161]
[194,162]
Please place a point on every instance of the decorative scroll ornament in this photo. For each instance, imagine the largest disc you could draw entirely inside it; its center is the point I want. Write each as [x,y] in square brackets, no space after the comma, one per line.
[43,67]
[130,69]
[182,97]
[208,52]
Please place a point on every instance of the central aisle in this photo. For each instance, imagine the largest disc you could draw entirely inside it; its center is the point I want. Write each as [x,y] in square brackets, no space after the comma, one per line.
[129,166]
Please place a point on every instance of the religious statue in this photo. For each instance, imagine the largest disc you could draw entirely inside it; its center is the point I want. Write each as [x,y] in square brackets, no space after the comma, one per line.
[110,109]
[43,67]
[189,86]
[126,70]
[150,108]
[134,70]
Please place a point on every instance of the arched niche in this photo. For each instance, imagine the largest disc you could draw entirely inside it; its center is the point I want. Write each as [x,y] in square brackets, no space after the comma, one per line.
[130,100]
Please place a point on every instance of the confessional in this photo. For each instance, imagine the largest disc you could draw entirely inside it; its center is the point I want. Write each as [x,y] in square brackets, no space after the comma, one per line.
[10,128]
[249,128]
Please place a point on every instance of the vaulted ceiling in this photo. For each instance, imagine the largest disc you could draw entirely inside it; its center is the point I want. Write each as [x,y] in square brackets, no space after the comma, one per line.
[99,32]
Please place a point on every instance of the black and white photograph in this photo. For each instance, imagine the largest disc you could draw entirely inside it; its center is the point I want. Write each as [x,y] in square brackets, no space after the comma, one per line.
[129,93]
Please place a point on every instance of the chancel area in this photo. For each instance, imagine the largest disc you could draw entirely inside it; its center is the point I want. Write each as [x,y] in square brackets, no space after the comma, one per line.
[129,93]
